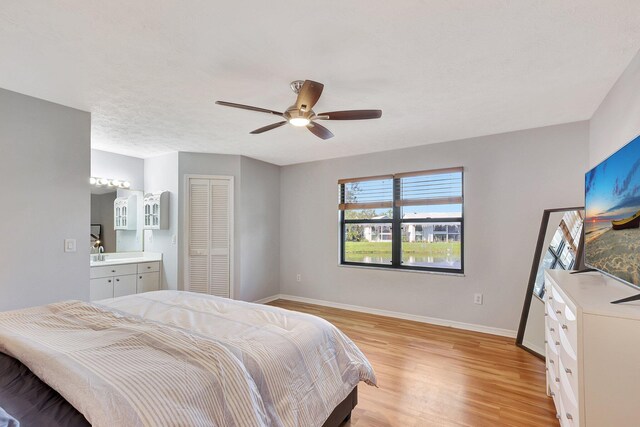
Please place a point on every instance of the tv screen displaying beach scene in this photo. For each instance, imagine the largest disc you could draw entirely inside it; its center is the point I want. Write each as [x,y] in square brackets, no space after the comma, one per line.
[612,202]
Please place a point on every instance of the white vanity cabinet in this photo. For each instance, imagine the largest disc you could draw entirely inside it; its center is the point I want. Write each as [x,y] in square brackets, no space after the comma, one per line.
[148,277]
[112,281]
[156,211]
[592,350]
[124,213]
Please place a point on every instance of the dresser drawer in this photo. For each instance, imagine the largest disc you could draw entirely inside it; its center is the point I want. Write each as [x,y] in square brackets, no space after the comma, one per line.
[552,360]
[149,267]
[558,304]
[569,414]
[112,270]
[552,337]
[554,386]
[569,330]
[569,367]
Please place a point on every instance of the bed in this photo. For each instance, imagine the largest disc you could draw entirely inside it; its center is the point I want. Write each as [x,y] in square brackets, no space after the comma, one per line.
[176,358]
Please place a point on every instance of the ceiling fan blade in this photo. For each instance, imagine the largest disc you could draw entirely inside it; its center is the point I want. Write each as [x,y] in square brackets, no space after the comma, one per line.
[269,127]
[319,131]
[309,95]
[248,107]
[350,115]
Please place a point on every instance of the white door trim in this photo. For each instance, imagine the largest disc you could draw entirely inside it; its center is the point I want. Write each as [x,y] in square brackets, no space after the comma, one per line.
[185,229]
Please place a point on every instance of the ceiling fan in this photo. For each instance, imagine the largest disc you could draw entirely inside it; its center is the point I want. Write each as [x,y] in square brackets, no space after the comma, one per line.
[301,113]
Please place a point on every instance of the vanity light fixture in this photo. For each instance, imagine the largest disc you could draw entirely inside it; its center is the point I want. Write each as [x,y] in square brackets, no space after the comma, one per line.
[99,182]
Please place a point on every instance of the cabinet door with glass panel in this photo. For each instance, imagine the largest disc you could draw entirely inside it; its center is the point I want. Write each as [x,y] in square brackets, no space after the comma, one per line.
[124,213]
[156,211]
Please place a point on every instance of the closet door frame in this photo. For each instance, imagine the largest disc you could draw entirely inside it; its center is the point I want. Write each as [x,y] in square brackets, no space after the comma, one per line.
[186,227]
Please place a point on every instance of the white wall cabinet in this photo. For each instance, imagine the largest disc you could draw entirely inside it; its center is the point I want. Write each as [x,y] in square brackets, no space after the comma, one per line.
[156,211]
[125,211]
[123,279]
[592,350]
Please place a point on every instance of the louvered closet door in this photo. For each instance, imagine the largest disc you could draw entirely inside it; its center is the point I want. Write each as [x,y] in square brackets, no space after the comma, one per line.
[209,236]
[219,249]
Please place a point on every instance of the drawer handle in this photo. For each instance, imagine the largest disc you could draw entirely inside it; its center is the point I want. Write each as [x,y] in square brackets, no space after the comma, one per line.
[552,394]
[117,280]
[558,416]
[545,341]
[113,271]
[141,277]
[546,314]
[557,342]
[557,379]
[558,312]
[550,297]
[149,267]
[550,360]
[569,417]
[109,281]
[567,370]
[552,329]
[565,327]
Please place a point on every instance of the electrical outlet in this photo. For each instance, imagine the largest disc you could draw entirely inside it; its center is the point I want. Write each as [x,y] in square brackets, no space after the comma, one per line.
[477,298]
[299,277]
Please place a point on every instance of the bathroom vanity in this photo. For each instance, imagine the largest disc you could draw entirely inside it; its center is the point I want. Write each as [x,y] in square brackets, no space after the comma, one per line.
[124,273]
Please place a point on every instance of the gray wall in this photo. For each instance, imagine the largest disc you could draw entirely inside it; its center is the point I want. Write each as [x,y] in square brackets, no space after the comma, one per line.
[117,166]
[160,174]
[44,168]
[617,120]
[259,227]
[256,220]
[211,164]
[509,180]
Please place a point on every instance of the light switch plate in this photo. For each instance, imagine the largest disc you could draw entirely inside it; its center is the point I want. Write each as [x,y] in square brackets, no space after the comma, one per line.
[69,245]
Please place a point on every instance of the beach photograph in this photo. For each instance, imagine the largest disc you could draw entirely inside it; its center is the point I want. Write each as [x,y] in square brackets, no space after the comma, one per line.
[612,223]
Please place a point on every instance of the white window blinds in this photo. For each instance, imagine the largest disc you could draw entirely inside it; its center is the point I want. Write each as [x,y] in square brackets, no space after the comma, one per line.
[434,187]
[374,192]
[422,188]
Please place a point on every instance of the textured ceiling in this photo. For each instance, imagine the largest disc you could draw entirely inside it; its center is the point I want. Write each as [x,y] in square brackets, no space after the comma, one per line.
[149,71]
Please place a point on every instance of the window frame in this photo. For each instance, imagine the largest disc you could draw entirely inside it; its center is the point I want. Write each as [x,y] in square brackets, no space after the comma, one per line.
[396,232]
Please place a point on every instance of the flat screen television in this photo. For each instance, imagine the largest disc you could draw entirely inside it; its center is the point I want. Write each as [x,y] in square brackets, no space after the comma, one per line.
[612,219]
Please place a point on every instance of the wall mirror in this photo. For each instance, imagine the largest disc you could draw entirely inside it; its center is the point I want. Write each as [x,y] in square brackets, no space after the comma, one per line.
[559,246]
[120,222]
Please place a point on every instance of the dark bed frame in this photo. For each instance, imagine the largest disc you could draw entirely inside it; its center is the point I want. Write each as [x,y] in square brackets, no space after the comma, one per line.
[33,403]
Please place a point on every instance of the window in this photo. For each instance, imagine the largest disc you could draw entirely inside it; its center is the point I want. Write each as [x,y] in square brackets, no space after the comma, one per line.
[404,221]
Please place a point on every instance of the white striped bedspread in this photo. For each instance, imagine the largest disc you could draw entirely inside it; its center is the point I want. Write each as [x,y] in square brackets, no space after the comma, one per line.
[172,358]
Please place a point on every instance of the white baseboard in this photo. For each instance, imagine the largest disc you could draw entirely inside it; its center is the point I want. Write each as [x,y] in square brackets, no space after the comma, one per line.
[405,316]
[267,299]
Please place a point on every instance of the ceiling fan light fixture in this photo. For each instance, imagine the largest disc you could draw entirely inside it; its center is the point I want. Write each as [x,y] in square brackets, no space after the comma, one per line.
[299,121]
[301,113]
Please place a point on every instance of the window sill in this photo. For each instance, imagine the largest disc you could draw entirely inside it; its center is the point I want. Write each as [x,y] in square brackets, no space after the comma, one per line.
[401,270]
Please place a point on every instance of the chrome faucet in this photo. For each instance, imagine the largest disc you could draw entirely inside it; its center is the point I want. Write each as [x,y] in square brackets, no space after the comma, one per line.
[101,253]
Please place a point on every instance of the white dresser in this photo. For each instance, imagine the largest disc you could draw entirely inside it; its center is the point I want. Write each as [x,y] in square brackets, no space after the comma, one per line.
[124,276]
[592,350]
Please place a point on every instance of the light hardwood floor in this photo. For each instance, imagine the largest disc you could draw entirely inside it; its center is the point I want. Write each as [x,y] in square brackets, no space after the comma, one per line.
[437,376]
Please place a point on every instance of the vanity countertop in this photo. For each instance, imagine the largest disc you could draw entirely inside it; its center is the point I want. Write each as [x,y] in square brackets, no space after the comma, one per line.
[126,258]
